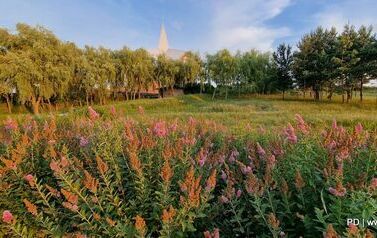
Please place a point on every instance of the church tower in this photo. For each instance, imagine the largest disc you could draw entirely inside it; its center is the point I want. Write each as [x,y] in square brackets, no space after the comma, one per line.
[163,45]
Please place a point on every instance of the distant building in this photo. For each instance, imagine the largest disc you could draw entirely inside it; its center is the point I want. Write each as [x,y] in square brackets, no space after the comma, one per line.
[163,47]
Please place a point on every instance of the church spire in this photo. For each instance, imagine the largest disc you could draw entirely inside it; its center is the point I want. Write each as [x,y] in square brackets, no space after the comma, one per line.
[163,45]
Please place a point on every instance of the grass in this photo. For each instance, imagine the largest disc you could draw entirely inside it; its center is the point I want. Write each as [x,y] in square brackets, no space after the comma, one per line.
[241,115]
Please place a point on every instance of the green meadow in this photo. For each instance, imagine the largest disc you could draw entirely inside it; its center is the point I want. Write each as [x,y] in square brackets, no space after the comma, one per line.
[240,115]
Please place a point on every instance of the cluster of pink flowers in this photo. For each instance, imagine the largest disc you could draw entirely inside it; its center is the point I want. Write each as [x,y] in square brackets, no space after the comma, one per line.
[174,126]
[373,184]
[301,124]
[271,160]
[233,155]
[11,124]
[7,216]
[159,129]
[59,166]
[338,191]
[224,199]
[214,234]
[246,170]
[223,175]
[113,111]
[203,155]
[238,193]
[93,115]
[30,179]
[290,134]
[83,141]
[261,152]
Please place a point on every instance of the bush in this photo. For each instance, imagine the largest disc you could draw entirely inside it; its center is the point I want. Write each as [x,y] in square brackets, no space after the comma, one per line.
[109,176]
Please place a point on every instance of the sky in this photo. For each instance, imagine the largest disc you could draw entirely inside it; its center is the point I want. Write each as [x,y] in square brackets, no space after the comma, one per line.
[198,25]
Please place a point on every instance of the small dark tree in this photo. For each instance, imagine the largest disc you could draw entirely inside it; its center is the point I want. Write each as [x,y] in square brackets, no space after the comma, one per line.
[283,59]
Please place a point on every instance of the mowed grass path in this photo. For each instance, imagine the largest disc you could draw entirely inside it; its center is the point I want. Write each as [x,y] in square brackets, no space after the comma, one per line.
[240,115]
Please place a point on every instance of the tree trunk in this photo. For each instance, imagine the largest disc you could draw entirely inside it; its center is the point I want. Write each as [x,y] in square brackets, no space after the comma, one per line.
[316,95]
[361,90]
[329,97]
[49,105]
[214,93]
[9,103]
[35,104]
[348,95]
[283,94]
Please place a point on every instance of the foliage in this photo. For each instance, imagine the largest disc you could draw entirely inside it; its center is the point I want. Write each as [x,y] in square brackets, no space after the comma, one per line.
[283,59]
[109,176]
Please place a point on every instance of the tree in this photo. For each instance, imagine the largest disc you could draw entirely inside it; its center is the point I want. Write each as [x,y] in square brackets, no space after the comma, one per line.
[191,68]
[313,62]
[165,71]
[6,76]
[283,59]
[39,66]
[141,70]
[346,59]
[254,71]
[103,71]
[366,66]
[223,70]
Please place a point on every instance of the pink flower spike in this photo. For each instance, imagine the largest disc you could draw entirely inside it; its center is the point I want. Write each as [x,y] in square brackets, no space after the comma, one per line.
[261,152]
[358,128]
[373,184]
[113,111]
[159,129]
[10,124]
[30,179]
[83,141]
[7,216]
[239,193]
[93,115]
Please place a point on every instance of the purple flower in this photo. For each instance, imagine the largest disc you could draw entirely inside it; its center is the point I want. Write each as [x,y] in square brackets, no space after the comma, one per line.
[11,124]
[233,155]
[358,128]
[261,152]
[246,170]
[113,111]
[224,199]
[239,193]
[159,129]
[290,134]
[93,115]
[83,141]
[223,175]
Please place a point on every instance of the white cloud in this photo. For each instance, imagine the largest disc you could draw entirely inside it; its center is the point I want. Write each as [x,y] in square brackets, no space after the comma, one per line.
[241,24]
[362,12]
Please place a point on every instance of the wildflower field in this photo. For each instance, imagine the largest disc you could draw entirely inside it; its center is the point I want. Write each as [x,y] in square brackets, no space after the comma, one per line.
[188,167]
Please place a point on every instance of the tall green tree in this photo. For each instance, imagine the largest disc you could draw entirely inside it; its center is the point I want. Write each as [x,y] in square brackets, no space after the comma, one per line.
[366,66]
[222,67]
[313,63]
[347,58]
[165,71]
[283,59]
[6,75]
[39,64]
[191,68]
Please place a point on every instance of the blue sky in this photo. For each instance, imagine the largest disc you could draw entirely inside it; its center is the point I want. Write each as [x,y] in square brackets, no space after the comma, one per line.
[199,25]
